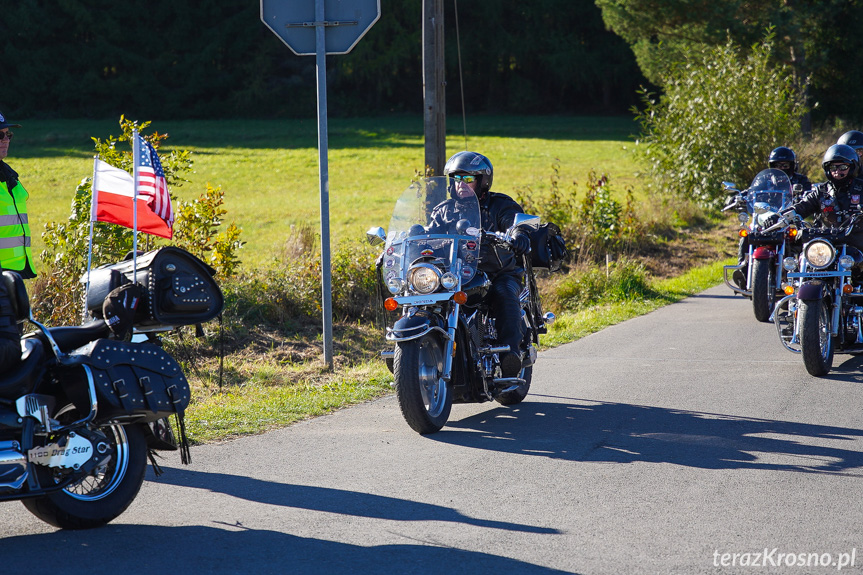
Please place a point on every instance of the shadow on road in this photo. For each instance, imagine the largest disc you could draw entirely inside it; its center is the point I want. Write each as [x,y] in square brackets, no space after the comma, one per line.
[594,431]
[233,549]
[332,500]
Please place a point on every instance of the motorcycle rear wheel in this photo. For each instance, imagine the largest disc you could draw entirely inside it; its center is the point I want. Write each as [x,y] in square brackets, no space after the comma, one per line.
[517,395]
[763,289]
[104,494]
[424,398]
[816,343]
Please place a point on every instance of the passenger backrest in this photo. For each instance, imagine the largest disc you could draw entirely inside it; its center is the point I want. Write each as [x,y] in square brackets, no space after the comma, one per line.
[18,294]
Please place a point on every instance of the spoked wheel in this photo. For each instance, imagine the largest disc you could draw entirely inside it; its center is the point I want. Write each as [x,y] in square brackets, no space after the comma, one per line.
[784,318]
[763,289]
[424,397]
[518,394]
[104,494]
[815,340]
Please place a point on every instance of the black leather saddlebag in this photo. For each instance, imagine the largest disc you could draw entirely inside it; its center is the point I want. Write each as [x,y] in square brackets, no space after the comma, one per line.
[138,379]
[179,288]
[547,247]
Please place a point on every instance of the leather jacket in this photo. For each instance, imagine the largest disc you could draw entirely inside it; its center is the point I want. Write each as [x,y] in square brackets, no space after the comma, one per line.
[832,206]
[498,212]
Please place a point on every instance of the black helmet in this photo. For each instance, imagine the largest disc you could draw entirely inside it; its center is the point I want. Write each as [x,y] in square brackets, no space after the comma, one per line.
[852,138]
[783,154]
[840,153]
[474,164]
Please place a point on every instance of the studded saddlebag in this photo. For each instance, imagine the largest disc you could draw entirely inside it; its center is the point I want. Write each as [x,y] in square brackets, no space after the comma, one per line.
[138,379]
[180,288]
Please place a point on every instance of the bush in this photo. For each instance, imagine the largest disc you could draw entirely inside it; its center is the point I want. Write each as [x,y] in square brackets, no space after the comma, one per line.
[289,293]
[586,286]
[721,115]
[594,225]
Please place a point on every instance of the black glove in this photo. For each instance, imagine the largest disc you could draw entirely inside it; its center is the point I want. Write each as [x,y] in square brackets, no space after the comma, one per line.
[771,220]
[520,242]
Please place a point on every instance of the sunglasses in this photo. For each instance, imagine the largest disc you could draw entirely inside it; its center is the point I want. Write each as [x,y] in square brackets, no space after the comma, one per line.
[839,167]
[782,165]
[6,136]
[465,179]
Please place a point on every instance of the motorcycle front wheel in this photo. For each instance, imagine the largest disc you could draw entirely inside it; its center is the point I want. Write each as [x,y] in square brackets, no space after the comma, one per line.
[424,398]
[763,288]
[104,494]
[816,344]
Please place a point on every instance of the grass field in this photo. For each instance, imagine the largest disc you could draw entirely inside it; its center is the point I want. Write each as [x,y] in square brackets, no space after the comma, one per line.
[269,169]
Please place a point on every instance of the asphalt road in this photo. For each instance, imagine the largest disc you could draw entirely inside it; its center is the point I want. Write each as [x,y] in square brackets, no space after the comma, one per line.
[678,442]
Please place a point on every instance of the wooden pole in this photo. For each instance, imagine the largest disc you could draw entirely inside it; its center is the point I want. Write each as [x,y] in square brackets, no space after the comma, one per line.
[434,84]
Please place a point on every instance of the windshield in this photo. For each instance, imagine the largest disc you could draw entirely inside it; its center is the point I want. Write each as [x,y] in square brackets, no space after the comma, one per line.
[770,192]
[428,226]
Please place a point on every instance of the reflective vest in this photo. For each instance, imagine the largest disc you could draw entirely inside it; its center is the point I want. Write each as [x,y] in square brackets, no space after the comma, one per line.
[15,251]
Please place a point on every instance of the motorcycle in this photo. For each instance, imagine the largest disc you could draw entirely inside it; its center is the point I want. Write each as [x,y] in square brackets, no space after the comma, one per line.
[84,408]
[823,311]
[444,342]
[758,206]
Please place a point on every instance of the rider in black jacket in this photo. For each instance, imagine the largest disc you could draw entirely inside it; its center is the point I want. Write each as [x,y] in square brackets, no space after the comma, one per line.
[472,173]
[841,196]
[784,159]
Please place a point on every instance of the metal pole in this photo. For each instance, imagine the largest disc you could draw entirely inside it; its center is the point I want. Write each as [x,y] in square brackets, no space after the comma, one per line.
[323,167]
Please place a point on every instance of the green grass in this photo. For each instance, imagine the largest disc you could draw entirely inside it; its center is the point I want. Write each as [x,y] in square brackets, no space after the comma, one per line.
[258,405]
[269,169]
[572,326]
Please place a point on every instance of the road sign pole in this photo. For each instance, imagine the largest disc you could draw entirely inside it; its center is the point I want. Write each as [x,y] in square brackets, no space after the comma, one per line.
[324,177]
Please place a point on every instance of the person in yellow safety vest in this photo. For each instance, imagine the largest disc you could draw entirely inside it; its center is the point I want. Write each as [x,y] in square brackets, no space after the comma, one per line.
[15,251]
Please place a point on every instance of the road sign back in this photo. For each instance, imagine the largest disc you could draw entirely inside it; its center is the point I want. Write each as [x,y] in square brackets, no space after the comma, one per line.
[345,22]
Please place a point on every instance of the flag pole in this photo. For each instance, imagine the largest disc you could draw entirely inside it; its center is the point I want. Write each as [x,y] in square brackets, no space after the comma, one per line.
[93,203]
[136,152]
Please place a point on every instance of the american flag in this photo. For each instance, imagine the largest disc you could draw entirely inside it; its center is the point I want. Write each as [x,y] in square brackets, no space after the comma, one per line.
[152,186]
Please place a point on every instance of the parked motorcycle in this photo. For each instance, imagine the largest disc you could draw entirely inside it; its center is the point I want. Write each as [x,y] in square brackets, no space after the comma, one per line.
[823,311]
[83,408]
[759,206]
[445,348]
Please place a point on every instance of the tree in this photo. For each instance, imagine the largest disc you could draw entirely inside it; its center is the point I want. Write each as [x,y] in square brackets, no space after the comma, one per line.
[722,112]
[819,40]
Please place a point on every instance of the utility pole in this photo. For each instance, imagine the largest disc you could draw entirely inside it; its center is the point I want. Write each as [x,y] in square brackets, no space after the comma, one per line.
[434,84]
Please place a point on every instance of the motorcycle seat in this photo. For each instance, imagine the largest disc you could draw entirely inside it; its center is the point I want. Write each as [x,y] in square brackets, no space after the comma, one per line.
[69,337]
[23,379]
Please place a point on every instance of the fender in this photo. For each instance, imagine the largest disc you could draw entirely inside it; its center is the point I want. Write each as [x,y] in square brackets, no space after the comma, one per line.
[764,253]
[417,325]
[811,290]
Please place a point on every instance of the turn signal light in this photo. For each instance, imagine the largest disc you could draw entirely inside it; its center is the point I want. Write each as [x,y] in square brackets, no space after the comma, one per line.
[847,288]
[743,233]
[459,297]
[390,304]
[792,232]
[788,290]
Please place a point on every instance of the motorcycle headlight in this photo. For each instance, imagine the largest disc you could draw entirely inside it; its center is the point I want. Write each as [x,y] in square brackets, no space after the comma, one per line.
[424,278]
[743,217]
[819,254]
[448,281]
[790,264]
[846,262]
[395,285]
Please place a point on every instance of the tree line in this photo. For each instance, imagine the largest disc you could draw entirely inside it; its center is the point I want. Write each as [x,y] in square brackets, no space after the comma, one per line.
[215,58]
